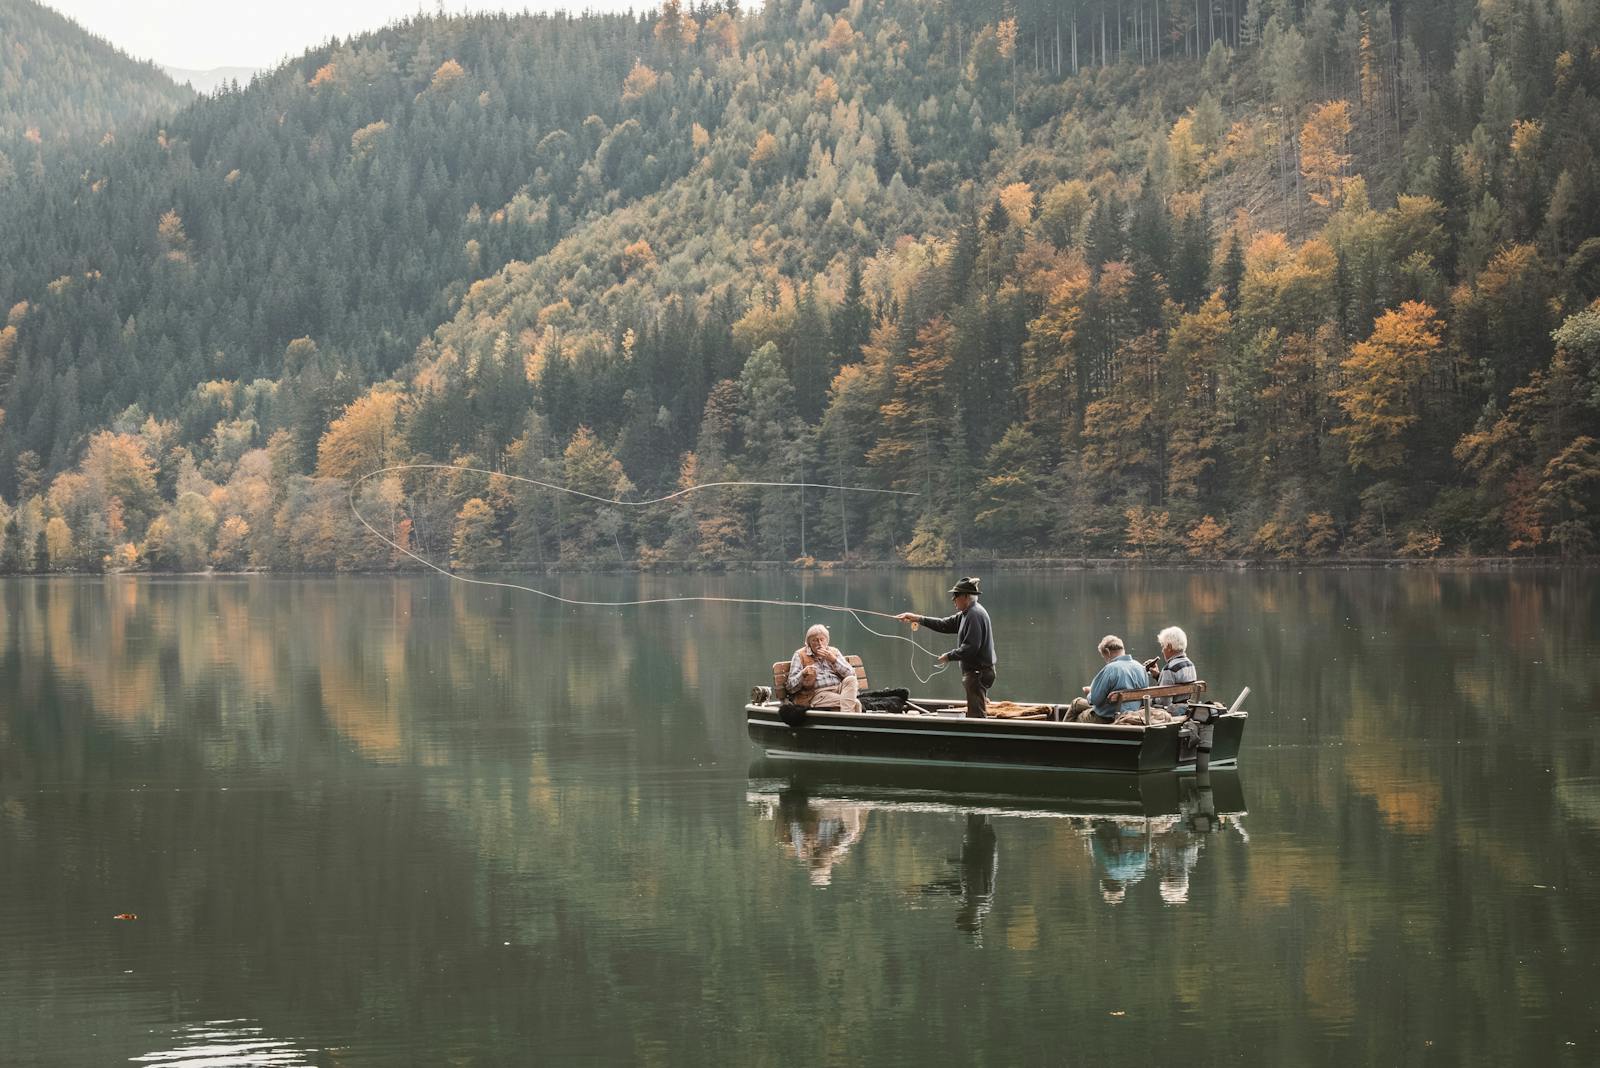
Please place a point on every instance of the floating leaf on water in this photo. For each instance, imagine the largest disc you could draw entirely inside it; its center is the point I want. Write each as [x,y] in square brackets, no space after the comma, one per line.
[1118,1012]
[126,916]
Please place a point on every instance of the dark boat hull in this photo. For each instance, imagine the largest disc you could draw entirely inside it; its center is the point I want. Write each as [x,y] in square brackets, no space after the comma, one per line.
[995,743]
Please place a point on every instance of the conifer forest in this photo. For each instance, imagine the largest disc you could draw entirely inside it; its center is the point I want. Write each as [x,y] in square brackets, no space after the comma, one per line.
[1153,279]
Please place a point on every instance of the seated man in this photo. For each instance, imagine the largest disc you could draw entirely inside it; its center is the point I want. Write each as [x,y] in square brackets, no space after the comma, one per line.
[1122,672]
[1179,668]
[820,676]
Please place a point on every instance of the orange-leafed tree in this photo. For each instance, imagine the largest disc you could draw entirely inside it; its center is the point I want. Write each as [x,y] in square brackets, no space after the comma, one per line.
[765,150]
[1017,200]
[840,35]
[233,544]
[1206,540]
[119,469]
[364,438]
[447,76]
[1384,379]
[675,29]
[1324,139]
[640,83]
[474,542]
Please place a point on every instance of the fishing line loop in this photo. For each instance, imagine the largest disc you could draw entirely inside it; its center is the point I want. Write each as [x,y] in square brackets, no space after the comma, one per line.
[854,613]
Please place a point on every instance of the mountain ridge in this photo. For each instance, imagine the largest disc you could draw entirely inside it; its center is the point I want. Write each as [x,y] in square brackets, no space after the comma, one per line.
[1150,305]
[64,84]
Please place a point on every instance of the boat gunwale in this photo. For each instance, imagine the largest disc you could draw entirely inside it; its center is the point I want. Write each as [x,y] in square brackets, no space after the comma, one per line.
[769,714]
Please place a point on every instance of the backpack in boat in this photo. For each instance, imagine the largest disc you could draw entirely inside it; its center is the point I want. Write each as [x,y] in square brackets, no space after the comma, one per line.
[892,700]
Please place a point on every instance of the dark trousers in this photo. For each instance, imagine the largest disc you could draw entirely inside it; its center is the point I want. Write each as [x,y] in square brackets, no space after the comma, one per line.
[976,681]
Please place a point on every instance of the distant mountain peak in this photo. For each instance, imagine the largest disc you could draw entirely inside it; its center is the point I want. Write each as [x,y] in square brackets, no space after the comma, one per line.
[209,81]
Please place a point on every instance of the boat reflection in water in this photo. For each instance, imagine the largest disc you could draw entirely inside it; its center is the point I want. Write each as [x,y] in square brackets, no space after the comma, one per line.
[1136,829]
[1130,849]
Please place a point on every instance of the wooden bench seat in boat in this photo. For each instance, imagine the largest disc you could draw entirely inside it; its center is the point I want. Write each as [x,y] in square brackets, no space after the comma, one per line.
[1182,689]
[780,676]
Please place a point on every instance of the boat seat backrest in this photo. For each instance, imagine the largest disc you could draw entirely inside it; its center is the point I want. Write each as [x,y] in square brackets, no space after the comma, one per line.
[780,674]
[1182,689]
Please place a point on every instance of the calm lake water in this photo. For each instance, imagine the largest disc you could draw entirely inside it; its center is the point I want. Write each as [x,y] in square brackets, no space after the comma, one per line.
[377,821]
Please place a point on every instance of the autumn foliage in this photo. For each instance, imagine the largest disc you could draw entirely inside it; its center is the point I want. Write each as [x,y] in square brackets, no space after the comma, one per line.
[1090,281]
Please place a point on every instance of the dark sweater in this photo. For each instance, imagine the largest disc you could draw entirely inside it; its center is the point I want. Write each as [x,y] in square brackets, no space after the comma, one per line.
[974,636]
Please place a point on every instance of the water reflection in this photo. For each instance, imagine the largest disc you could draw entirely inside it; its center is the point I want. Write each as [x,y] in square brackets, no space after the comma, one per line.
[972,879]
[227,1044]
[416,824]
[817,835]
[1132,827]
[1127,849]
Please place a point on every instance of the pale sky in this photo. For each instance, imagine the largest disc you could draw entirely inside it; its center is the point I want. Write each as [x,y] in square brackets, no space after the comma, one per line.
[201,34]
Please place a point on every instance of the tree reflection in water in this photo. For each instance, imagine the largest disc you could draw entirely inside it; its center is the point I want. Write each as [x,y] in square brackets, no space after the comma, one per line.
[417,824]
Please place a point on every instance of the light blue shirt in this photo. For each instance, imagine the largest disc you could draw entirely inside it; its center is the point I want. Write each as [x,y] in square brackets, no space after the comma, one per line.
[1123,673]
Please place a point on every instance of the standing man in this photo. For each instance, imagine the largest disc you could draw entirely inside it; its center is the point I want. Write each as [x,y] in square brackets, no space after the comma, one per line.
[974,643]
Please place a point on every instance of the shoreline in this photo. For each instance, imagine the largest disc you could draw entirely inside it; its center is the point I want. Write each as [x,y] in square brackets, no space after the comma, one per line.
[980,564]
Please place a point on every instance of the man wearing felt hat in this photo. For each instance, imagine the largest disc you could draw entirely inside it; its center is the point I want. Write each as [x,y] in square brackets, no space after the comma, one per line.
[974,643]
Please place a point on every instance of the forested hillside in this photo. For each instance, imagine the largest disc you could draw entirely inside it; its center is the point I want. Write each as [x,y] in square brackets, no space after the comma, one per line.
[1267,280]
[60,84]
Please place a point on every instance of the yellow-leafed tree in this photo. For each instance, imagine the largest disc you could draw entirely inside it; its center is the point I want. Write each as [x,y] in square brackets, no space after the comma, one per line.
[474,543]
[1384,378]
[363,439]
[1323,159]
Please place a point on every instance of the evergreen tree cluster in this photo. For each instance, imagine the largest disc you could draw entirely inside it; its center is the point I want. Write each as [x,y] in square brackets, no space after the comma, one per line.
[61,87]
[1086,277]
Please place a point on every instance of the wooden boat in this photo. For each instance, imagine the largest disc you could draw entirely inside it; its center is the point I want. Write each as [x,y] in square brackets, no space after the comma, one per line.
[938,732]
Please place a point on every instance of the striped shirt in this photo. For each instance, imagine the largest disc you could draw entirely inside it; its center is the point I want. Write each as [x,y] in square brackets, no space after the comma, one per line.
[1179,670]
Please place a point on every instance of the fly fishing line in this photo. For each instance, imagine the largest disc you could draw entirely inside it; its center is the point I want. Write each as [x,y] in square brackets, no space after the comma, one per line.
[854,613]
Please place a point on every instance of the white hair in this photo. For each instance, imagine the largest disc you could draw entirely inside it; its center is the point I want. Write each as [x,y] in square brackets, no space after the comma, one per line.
[1175,888]
[1173,638]
[816,629]
[1110,642]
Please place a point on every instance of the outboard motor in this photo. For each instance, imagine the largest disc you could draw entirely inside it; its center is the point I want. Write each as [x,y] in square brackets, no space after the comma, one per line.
[1200,726]
[1194,737]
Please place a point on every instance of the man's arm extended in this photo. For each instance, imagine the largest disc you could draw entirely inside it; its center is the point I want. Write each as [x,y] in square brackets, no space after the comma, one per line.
[947,625]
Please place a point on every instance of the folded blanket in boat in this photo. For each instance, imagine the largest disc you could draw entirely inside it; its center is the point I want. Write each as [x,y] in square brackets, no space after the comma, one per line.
[893,700]
[1016,710]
